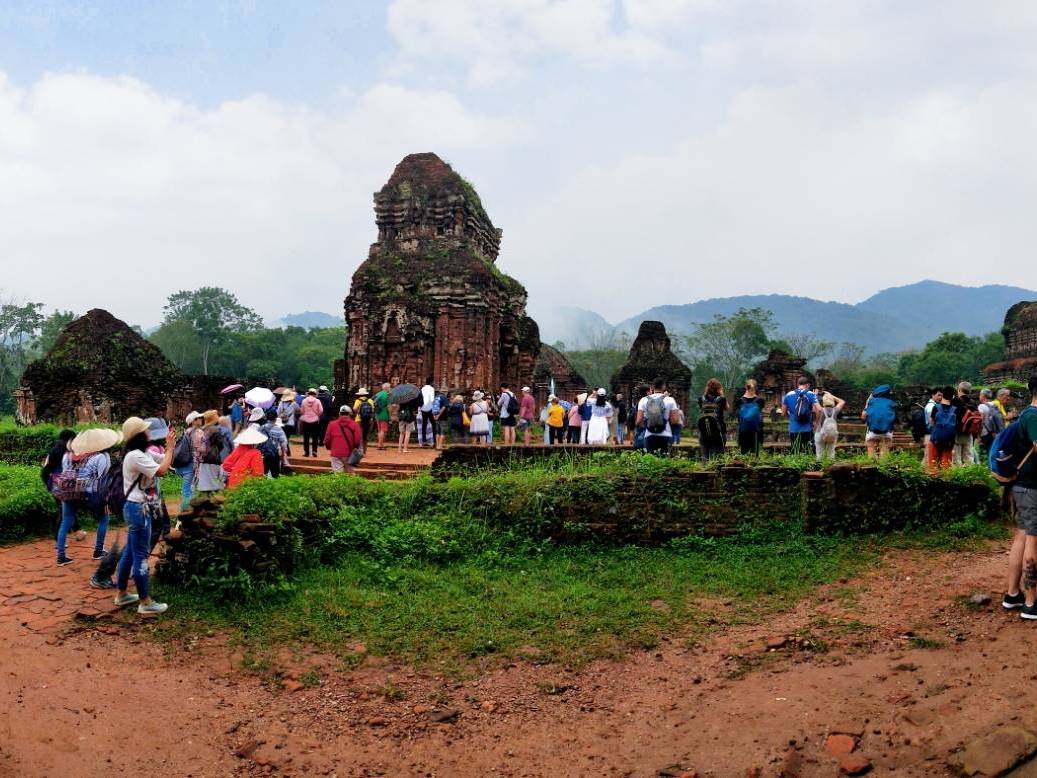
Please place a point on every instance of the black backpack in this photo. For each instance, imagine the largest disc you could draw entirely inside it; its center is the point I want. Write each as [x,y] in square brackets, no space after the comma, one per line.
[513,405]
[366,410]
[919,428]
[406,414]
[709,421]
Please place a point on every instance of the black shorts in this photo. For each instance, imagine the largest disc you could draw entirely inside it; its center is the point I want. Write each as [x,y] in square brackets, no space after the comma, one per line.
[508,421]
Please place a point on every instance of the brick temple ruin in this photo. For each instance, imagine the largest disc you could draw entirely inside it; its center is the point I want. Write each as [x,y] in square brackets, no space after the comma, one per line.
[429,300]
[651,357]
[1020,357]
[553,372]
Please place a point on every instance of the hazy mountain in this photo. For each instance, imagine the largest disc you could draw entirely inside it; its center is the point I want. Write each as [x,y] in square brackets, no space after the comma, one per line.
[894,319]
[577,328]
[309,320]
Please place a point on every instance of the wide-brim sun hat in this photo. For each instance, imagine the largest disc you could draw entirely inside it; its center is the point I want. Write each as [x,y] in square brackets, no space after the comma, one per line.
[132,427]
[828,400]
[92,441]
[192,417]
[251,437]
[362,392]
[288,396]
[581,398]
[477,395]
[210,417]
[257,414]
[157,428]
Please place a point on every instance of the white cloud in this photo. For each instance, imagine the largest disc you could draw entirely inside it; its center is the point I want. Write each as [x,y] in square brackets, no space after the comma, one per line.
[502,40]
[116,195]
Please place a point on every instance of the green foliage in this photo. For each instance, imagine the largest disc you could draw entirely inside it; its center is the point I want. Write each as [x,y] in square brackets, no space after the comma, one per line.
[26,445]
[25,334]
[597,366]
[728,347]
[27,509]
[950,358]
[213,314]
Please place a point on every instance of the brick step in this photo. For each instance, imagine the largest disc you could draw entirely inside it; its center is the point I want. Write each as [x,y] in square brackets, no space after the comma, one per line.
[366,464]
[388,475]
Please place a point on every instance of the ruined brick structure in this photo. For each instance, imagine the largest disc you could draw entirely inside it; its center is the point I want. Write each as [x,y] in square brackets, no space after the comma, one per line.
[552,366]
[100,370]
[1020,359]
[429,300]
[651,357]
[777,375]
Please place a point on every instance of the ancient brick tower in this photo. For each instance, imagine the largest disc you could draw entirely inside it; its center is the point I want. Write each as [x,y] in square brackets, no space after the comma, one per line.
[1020,359]
[428,300]
[651,358]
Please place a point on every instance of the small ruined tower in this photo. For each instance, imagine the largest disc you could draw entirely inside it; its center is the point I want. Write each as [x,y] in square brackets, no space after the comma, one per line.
[429,300]
[651,357]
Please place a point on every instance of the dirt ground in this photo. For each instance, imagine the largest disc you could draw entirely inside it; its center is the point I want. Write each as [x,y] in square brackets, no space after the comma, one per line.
[894,661]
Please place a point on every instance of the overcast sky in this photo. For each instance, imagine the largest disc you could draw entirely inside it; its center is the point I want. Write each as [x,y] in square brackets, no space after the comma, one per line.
[635,152]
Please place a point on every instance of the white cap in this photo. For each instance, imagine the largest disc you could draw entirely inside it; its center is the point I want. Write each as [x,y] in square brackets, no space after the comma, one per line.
[192,417]
[525,388]
[601,393]
[323,388]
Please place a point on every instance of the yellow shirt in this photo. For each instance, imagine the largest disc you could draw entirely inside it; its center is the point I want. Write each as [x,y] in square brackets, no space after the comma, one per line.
[356,407]
[555,415]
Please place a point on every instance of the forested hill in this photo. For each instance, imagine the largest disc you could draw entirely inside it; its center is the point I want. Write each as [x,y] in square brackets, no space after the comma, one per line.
[892,320]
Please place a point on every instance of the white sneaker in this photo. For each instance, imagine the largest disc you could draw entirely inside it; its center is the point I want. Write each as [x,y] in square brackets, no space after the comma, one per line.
[125,599]
[151,608]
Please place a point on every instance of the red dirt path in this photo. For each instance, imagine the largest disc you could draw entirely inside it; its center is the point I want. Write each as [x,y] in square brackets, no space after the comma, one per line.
[102,697]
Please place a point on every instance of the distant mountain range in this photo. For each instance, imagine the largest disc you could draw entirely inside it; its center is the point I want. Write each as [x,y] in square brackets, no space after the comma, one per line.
[895,319]
[308,320]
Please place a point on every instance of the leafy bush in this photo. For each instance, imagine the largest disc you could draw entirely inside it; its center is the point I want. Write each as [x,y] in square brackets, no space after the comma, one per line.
[27,509]
[29,445]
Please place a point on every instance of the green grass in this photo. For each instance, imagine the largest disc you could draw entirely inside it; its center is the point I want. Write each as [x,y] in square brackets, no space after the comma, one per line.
[571,605]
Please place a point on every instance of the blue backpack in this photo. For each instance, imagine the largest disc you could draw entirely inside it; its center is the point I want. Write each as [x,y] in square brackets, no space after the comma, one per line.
[803,412]
[944,426]
[881,411]
[1009,451]
[750,418]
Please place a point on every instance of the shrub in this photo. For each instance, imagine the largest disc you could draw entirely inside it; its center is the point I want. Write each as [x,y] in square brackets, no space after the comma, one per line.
[27,509]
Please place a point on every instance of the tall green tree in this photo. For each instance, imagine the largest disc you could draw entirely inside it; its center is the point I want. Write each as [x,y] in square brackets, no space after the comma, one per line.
[19,329]
[51,327]
[214,314]
[728,347]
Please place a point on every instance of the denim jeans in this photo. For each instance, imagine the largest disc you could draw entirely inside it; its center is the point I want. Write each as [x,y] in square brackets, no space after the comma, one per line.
[135,554]
[68,518]
[187,473]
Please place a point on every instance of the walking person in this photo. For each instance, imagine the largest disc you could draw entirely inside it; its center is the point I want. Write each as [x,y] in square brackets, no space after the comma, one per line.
[139,471]
[657,411]
[478,412]
[344,441]
[507,411]
[527,412]
[1022,559]
[382,415]
[287,410]
[363,413]
[51,466]
[310,415]
[327,410]
[712,423]
[209,447]
[275,448]
[601,416]
[828,432]
[748,409]
[802,408]
[78,486]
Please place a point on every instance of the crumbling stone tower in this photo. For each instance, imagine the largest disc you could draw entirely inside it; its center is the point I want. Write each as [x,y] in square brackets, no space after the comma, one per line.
[1020,332]
[429,300]
[651,357]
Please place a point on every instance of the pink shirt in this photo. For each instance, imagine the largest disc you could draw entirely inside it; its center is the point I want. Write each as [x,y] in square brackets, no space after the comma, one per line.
[527,407]
[574,416]
[311,409]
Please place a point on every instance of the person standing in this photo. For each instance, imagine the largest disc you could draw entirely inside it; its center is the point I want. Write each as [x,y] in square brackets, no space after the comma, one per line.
[712,420]
[586,412]
[478,412]
[382,415]
[527,412]
[426,428]
[601,414]
[275,448]
[507,411]
[1004,403]
[970,424]
[183,458]
[622,411]
[310,420]
[801,407]
[52,465]
[657,411]
[828,432]
[405,418]
[573,417]
[749,410]
[363,411]
[139,470]
[287,410]
[555,421]
[993,422]
[246,460]
[943,424]
[237,414]
[344,441]
[880,414]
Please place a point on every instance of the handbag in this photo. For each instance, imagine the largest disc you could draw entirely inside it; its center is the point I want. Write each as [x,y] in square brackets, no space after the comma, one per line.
[465,420]
[355,456]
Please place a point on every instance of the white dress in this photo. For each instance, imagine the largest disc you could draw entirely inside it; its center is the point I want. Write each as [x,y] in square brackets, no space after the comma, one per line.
[598,426]
[480,422]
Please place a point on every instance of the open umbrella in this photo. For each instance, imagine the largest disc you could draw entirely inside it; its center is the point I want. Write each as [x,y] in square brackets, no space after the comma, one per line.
[259,397]
[231,388]
[403,393]
[281,390]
